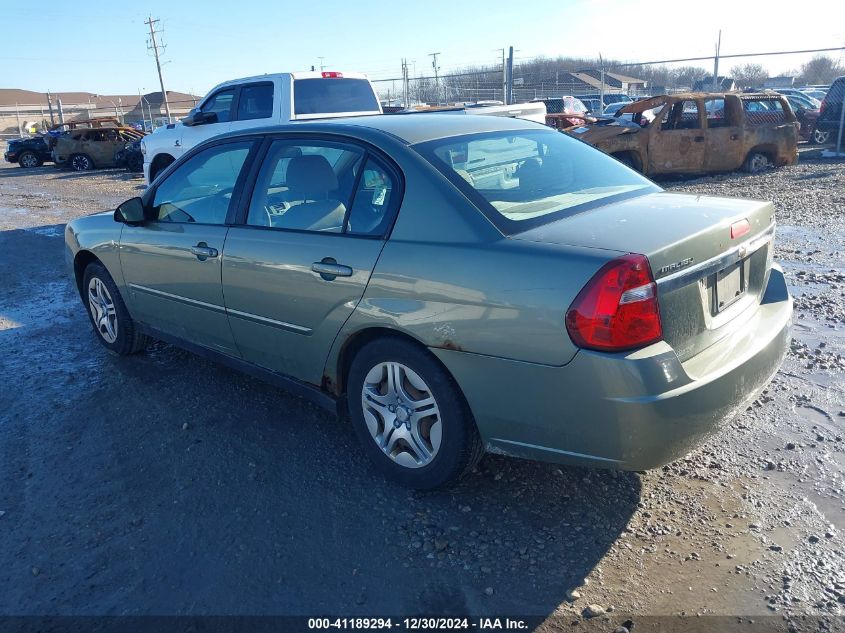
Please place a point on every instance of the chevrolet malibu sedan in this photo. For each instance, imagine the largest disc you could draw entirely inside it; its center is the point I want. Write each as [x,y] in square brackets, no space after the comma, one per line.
[450,285]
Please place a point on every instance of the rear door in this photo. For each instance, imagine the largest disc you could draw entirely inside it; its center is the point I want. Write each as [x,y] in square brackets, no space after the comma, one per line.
[724,134]
[256,104]
[676,143]
[172,262]
[296,268]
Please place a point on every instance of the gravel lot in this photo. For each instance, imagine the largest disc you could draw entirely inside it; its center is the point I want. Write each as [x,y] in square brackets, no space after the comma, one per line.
[163,483]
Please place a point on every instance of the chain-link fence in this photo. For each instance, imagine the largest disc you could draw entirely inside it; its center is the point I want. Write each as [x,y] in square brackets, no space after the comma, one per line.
[803,75]
[22,119]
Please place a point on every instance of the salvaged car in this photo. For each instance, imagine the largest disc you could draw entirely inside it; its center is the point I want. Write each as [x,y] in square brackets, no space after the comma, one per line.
[82,149]
[449,284]
[699,133]
[28,152]
[130,157]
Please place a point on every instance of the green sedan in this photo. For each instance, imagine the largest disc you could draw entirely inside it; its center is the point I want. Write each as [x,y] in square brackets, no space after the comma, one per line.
[450,285]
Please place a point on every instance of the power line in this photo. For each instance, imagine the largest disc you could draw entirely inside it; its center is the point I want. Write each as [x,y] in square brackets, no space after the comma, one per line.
[154,46]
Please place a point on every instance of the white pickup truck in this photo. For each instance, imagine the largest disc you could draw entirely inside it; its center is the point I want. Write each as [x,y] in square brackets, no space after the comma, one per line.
[254,102]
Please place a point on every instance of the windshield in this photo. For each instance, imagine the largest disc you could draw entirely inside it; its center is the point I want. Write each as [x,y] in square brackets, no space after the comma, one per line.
[522,179]
[327,96]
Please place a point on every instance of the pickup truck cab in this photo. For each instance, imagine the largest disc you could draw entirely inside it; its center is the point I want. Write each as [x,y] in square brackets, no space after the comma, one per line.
[699,133]
[253,102]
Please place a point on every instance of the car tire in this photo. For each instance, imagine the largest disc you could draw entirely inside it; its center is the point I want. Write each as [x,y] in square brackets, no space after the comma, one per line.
[820,137]
[159,165]
[135,163]
[113,326]
[422,449]
[28,160]
[80,162]
[756,162]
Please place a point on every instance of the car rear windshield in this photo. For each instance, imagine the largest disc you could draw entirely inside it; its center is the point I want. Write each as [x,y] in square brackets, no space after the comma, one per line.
[328,96]
[526,178]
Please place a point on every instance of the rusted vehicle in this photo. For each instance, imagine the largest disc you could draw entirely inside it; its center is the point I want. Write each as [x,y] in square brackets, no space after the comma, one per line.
[699,132]
[82,149]
[95,122]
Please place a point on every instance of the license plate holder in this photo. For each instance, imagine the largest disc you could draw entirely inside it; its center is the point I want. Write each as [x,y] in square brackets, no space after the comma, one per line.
[730,286]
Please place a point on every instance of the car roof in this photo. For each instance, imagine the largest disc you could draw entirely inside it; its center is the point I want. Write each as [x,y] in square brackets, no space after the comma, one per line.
[409,128]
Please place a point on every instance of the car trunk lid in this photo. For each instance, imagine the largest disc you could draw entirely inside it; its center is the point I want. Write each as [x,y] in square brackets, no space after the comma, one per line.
[707,279]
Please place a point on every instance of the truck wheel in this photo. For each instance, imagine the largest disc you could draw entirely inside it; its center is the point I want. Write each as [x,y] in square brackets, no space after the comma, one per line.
[28,160]
[80,162]
[756,162]
[135,163]
[820,137]
[159,165]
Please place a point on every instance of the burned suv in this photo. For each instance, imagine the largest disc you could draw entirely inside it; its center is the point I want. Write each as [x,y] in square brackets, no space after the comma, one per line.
[82,149]
[697,132]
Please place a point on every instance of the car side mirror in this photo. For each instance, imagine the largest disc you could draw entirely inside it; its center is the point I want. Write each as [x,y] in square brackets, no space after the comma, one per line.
[200,118]
[130,212]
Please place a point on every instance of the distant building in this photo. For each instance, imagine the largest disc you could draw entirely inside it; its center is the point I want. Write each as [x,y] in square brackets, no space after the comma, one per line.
[21,110]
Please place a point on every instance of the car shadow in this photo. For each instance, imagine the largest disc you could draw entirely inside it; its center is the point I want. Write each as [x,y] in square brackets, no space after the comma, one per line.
[165,483]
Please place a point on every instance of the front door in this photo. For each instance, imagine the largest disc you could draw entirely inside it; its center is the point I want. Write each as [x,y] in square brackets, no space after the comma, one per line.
[677,142]
[100,145]
[171,264]
[221,104]
[296,269]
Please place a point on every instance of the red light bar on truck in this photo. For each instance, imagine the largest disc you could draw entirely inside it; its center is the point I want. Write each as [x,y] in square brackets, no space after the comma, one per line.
[332,75]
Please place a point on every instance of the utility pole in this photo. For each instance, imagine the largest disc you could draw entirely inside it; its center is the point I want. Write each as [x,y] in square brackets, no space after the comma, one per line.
[504,74]
[50,108]
[509,95]
[436,76]
[601,96]
[154,46]
[716,63]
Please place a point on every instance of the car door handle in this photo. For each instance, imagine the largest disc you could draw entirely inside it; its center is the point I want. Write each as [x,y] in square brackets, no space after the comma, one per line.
[328,269]
[699,139]
[203,251]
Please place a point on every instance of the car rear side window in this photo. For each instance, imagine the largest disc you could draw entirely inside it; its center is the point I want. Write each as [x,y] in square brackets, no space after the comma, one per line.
[200,190]
[683,115]
[374,199]
[526,178]
[332,95]
[763,111]
[255,102]
[305,186]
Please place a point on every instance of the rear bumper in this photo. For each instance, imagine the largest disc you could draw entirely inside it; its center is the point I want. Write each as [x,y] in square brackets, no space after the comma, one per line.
[630,411]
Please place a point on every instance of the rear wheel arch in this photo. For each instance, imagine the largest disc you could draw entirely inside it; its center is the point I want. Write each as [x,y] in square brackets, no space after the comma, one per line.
[356,343]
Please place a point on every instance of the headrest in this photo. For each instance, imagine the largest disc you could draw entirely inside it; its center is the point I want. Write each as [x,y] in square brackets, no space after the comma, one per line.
[311,176]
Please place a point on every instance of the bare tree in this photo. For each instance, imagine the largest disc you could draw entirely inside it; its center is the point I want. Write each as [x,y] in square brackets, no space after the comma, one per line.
[749,75]
[820,70]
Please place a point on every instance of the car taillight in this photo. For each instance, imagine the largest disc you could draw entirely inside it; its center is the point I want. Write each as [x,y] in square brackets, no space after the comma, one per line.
[617,310]
[332,75]
[822,106]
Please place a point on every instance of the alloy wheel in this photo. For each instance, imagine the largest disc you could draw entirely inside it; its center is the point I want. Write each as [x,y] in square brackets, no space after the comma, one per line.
[102,310]
[758,163]
[81,163]
[401,414]
[820,136]
[29,160]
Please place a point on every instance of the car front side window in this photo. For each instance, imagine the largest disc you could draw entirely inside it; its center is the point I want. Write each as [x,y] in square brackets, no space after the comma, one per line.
[220,104]
[200,190]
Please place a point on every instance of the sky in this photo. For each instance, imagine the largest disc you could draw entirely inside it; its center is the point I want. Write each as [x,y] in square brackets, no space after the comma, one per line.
[63,46]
